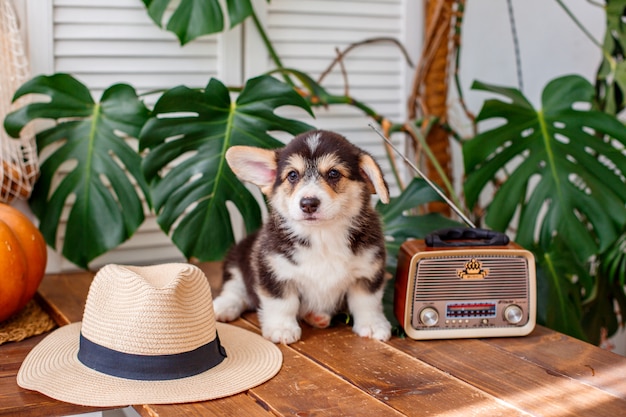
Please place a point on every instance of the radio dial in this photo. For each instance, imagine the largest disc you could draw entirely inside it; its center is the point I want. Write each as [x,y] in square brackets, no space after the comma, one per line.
[513,314]
[429,316]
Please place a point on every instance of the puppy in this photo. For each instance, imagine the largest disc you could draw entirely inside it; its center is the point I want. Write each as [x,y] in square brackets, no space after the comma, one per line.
[321,246]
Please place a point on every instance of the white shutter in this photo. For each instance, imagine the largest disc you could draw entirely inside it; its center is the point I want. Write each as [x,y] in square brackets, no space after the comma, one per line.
[306,34]
[102,42]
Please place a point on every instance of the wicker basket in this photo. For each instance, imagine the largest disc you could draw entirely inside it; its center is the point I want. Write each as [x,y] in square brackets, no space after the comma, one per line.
[19,165]
[30,321]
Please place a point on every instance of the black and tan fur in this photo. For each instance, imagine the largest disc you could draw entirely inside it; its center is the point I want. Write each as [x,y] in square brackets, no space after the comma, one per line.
[322,244]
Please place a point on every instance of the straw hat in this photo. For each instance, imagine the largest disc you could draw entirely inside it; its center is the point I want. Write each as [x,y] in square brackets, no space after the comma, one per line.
[148,336]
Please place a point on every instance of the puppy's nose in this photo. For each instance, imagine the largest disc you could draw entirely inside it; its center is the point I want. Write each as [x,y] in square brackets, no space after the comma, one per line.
[309,204]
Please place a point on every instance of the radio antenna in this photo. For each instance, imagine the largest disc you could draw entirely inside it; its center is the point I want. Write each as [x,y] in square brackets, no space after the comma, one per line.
[425,178]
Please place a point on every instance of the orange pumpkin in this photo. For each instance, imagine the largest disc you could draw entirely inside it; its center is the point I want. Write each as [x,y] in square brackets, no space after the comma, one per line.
[23,258]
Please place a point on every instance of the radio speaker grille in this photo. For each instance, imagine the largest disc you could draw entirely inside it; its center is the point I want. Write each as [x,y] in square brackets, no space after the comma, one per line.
[437,278]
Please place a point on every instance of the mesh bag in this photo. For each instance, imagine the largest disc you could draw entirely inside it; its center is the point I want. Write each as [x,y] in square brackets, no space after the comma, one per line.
[18,157]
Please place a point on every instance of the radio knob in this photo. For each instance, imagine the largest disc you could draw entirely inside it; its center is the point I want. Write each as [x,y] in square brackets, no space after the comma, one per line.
[429,316]
[513,314]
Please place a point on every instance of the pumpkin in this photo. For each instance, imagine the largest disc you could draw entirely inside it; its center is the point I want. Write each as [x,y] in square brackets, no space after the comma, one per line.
[23,258]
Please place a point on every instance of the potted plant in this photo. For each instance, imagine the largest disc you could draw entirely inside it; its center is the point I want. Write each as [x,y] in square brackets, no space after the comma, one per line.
[126,158]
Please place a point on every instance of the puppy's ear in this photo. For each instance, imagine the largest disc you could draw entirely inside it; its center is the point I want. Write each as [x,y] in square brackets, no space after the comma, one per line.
[254,165]
[373,175]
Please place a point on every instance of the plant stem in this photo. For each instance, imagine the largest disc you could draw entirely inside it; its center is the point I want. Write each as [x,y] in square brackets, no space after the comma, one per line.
[457,64]
[270,47]
[607,54]
[580,25]
[446,182]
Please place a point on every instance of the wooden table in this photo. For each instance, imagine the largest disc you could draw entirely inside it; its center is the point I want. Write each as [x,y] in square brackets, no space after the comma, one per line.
[332,372]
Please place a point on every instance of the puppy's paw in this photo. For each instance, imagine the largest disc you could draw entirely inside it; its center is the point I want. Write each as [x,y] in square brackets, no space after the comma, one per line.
[321,321]
[226,309]
[375,328]
[285,334]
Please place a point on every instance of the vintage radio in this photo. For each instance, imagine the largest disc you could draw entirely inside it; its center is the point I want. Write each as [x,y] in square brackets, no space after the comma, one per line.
[465,282]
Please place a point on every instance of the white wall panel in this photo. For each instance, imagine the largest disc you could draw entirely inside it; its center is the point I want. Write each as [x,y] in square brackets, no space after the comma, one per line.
[307,35]
[102,42]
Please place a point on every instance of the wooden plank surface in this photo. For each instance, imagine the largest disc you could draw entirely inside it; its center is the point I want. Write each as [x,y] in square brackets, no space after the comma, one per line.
[304,388]
[523,384]
[570,357]
[333,372]
[237,405]
[313,392]
[391,376]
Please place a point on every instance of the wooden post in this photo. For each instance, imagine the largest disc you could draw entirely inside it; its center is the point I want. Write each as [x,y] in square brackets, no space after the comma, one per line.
[430,89]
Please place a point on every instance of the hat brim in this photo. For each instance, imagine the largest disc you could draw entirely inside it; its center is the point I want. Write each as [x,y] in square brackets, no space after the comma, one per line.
[53,369]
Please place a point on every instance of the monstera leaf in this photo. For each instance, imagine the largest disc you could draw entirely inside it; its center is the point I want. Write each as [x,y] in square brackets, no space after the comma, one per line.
[565,165]
[99,187]
[189,178]
[193,18]
[400,225]
[559,300]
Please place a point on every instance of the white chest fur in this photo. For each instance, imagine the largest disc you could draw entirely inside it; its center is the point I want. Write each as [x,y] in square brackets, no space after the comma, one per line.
[324,270]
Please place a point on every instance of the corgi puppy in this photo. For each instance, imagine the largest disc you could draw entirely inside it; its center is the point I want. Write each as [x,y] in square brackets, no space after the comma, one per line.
[321,246]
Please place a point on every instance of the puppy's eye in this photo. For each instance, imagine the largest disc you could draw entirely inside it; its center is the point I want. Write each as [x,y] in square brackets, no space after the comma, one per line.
[292,176]
[333,175]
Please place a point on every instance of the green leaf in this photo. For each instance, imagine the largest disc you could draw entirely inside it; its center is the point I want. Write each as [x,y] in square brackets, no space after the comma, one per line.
[99,188]
[559,304]
[562,167]
[604,311]
[238,11]
[189,178]
[600,314]
[194,18]
[316,93]
[613,262]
